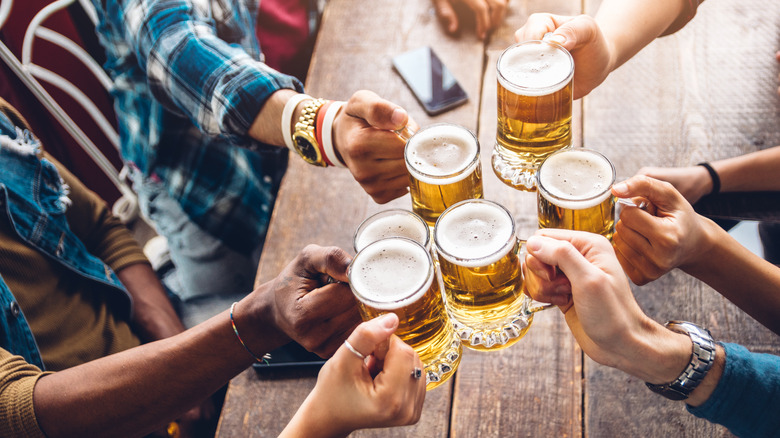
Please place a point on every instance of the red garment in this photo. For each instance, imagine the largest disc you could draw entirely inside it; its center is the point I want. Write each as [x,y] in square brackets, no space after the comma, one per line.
[283,33]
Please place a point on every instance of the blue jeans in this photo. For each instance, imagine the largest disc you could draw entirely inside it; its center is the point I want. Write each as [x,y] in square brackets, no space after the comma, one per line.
[208,276]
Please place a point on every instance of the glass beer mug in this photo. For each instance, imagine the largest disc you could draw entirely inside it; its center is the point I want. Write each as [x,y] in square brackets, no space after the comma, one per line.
[575,192]
[534,109]
[397,275]
[479,260]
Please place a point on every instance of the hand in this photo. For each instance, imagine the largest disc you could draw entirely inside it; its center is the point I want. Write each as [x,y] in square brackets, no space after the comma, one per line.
[301,305]
[352,395]
[669,235]
[692,182]
[603,316]
[367,145]
[582,37]
[488,14]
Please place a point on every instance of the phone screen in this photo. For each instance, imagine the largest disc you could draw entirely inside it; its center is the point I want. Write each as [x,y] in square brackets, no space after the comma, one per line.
[430,80]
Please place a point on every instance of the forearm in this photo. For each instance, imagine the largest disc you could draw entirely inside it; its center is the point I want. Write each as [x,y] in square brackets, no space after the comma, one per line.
[153,315]
[742,277]
[139,390]
[630,25]
[755,171]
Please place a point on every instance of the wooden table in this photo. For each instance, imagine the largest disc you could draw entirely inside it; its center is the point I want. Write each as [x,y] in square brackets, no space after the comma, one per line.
[705,93]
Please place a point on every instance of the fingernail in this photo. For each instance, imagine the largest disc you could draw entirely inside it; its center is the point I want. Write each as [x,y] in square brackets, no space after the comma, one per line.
[389,321]
[557,38]
[533,244]
[620,188]
[399,117]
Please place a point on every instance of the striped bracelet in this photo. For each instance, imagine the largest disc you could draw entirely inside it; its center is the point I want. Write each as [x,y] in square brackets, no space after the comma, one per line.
[235,330]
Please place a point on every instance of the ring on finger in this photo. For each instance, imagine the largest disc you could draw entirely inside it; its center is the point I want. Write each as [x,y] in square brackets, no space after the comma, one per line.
[416,373]
[353,350]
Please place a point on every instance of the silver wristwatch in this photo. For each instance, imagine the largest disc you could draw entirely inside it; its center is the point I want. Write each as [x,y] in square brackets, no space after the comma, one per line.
[702,358]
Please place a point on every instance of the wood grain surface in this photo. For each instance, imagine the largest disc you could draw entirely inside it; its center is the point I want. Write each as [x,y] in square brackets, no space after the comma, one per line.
[705,93]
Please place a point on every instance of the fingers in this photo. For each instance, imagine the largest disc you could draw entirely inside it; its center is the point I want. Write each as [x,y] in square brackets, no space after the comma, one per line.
[481,12]
[498,10]
[332,261]
[447,15]
[377,112]
[543,282]
[561,253]
[403,394]
[662,194]
[372,336]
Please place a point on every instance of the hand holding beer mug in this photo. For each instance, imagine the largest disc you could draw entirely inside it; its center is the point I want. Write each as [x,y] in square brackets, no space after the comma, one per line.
[534,109]
[397,275]
[394,222]
[444,168]
[478,254]
[574,192]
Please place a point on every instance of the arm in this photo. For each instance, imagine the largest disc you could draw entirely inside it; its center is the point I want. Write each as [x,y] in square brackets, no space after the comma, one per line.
[111,396]
[109,239]
[605,318]
[755,171]
[651,243]
[350,395]
[619,30]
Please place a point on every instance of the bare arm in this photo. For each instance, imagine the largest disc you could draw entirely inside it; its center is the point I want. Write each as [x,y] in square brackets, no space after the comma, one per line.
[153,314]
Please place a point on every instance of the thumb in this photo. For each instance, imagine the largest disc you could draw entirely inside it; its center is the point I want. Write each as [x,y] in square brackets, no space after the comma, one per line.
[561,251]
[377,112]
[372,336]
[661,194]
[573,32]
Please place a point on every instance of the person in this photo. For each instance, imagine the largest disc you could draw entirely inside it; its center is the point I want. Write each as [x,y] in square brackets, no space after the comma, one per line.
[740,390]
[200,121]
[604,42]
[139,390]
[488,14]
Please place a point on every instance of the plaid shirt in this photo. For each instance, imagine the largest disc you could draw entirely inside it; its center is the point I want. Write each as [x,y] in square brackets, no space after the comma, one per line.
[189,82]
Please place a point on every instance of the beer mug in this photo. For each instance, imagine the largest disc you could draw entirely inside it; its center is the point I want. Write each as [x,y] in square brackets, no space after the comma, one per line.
[534,109]
[444,168]
[394,222]
[479,262]
[397,275]
[575,192]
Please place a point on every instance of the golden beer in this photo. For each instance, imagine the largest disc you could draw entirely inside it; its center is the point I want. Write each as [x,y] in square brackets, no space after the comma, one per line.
[534,109]
[575,192]
[444,168]
[397,275]
[394,222]
[480,268]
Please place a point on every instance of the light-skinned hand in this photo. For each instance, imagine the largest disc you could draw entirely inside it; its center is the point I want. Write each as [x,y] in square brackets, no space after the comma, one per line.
[582,37]
[692,182]
[488,14]
[365,142]
[669,234]
[350,395]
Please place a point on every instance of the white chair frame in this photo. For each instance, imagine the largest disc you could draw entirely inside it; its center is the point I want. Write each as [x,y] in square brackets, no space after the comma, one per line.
[31,75]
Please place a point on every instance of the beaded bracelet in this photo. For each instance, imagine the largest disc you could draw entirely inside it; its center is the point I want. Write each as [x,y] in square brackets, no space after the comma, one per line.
[235,330]
[714,176]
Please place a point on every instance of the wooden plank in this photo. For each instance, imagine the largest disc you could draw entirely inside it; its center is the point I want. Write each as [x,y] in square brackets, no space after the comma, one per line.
[324,206]
[705,93]
[533,388]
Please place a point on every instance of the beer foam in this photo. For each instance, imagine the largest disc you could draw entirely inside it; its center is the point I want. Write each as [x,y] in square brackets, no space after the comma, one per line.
[440,150]
[576,179]
[391,273]
[399,224]
[535,69]
[474,234]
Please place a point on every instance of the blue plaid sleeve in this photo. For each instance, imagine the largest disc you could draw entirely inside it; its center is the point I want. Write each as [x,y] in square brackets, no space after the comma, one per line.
[219,84]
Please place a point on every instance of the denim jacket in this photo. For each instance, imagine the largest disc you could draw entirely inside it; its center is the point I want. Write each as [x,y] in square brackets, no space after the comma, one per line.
[33,199]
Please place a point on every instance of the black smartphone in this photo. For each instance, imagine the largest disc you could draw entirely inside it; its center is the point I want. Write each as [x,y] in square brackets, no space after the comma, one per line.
[290,355]
[430,80]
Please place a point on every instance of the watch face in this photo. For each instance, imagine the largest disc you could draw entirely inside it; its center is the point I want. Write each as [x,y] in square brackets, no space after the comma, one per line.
[307,150]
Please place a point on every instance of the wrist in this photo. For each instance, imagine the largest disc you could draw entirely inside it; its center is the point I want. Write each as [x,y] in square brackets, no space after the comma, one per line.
[706,247]
[656,356]
[255,320]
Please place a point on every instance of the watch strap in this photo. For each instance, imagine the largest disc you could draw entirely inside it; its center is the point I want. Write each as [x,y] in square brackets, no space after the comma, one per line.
[305,133]
[702,358]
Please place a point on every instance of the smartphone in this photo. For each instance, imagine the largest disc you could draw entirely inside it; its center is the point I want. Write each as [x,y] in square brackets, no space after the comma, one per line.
[430,80]
[290,355]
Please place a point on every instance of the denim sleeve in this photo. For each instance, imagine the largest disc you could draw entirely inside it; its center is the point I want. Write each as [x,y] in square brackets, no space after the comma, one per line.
[747,397]
[219,85]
